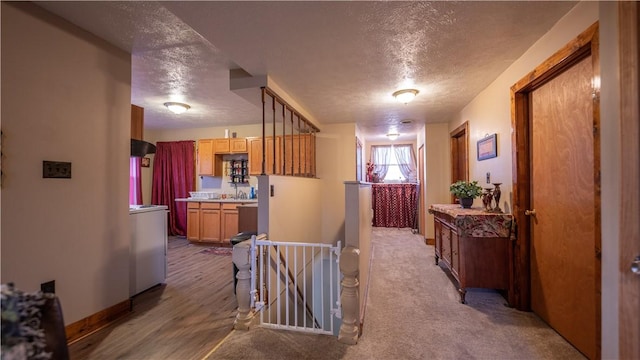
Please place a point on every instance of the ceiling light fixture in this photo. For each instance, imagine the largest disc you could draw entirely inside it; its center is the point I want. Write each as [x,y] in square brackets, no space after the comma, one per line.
[393,136]
[176,107]
[405,95]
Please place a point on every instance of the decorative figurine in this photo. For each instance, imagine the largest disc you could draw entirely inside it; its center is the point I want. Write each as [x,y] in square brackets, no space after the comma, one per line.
[486,199]
[496,197]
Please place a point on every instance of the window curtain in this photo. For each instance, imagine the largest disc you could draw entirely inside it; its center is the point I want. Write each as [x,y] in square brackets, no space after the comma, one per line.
[173,178]
[406,161]
[135,181]
[380,155]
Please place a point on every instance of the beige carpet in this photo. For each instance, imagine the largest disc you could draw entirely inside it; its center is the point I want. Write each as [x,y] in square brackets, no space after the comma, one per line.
[413,312]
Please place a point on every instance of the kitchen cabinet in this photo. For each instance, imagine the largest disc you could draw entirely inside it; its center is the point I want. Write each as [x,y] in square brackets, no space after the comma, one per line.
[229,221]
[255,155]
[193,221]
[205,157]
[299,155]
[238,145]
[474,246]
[229,146]
[212,222]
[203,222]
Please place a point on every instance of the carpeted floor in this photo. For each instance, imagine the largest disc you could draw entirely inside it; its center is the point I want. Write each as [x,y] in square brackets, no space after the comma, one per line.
[413,312]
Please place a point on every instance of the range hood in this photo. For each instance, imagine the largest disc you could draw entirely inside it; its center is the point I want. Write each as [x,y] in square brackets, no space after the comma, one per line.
[140,148]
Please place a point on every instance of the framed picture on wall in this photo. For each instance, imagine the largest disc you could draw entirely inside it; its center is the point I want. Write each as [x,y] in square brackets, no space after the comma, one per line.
[145,162]
[488,147]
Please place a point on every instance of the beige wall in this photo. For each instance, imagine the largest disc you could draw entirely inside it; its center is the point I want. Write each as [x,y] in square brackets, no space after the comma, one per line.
[437,169]
[336,163]
[294,209]
[65,97]
[490,111]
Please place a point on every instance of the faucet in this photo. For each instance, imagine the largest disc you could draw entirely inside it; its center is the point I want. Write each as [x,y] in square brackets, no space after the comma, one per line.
[242,195]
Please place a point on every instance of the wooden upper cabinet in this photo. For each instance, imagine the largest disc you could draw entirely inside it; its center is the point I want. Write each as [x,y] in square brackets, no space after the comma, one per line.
[255,156]
[254,146]
[221,146]
[205,157]
[137,122]
[238,145]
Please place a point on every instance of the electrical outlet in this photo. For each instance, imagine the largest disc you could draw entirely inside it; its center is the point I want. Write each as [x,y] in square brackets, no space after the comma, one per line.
[48,287]
[56,169]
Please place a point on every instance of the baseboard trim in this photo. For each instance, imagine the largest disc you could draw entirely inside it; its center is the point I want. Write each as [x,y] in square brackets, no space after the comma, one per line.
[430,241]
[97,321]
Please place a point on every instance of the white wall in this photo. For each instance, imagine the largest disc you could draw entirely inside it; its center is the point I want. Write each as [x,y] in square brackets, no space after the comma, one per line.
[65,97]
[490,111]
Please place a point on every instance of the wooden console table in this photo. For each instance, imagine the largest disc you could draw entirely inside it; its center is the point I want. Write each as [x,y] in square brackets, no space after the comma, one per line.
[474,245]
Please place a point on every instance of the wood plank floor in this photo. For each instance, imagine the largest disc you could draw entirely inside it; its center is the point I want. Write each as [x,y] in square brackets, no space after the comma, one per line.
[183,319]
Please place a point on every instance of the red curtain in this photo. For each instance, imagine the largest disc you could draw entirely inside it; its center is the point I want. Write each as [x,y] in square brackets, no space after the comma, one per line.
[173,178]
[135,181]
[394,205]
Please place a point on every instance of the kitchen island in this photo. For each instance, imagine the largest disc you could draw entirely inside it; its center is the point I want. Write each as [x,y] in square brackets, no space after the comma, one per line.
[213,221]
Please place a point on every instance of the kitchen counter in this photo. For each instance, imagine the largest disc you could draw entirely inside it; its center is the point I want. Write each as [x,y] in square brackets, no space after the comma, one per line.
[218,200]
[136,209]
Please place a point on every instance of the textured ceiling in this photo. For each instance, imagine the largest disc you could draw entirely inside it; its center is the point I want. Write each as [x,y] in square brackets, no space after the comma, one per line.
[339,60]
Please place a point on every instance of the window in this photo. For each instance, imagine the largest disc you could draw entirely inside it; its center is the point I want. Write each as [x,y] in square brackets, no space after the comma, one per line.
[394,163]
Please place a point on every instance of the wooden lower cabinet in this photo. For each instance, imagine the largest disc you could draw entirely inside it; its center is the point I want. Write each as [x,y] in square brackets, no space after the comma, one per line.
[193,221]
[478,261]
[212,222]
[229,222]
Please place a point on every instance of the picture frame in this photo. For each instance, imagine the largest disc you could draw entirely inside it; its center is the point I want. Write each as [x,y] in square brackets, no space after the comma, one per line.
[145,162]
[488,147]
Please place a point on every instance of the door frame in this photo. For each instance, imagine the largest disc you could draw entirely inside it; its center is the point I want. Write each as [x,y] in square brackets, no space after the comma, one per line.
[582,46]
[629,242]
[422,211]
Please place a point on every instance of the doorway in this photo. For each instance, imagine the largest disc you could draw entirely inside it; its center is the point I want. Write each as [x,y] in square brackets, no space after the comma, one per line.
[459,139]
[557,192]
[422,211]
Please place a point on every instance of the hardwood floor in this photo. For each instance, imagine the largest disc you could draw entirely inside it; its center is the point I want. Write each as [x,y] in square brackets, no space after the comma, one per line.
[183,319]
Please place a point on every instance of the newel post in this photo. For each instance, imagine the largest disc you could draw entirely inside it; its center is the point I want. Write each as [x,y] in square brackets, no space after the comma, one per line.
[242,259]
[349,297]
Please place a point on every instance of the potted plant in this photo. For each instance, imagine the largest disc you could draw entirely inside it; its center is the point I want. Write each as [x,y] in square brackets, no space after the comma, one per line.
[466,192]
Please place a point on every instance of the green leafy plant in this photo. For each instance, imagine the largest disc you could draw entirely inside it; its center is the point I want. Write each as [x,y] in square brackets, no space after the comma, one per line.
[463,189]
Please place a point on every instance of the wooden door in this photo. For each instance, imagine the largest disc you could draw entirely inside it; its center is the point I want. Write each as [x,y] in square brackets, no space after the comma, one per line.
[459,154]
[556,191]
[563,233]
[422,211]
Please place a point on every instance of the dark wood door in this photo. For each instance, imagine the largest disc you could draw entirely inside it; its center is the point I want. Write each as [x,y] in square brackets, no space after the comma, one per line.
[459,154]
[563,231]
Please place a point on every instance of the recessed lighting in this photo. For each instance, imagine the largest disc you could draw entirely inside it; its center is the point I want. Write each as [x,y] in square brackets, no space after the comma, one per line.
[405,95]
[176,107]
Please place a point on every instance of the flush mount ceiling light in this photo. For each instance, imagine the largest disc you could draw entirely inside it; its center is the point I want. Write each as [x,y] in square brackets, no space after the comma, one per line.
[405,95]
[176,107]
[393,136]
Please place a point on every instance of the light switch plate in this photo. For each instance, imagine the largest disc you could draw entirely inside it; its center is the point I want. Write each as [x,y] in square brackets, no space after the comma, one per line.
[56,169]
